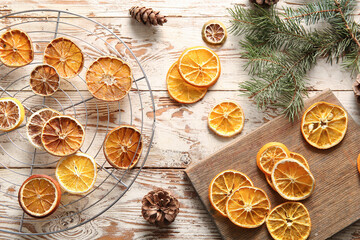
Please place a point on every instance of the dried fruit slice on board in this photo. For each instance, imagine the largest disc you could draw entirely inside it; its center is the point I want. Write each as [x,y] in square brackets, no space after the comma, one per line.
[269,154]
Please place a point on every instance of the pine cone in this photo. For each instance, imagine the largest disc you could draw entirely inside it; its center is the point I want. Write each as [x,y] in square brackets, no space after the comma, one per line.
[264,2]
[147,16]
[356,88]
[159,207]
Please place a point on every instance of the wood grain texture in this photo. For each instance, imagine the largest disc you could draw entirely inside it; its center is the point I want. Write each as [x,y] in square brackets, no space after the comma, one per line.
[334,203]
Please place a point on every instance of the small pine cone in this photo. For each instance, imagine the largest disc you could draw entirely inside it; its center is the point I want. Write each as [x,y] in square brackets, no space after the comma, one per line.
[147,16]
[356,88]
[264,2]
[159,207]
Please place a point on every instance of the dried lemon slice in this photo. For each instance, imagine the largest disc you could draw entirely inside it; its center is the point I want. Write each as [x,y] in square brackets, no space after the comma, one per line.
[214,32]
[44,80]
[12,113]
[16,49]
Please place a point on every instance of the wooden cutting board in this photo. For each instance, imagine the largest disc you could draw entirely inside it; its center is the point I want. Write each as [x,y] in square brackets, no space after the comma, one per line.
[335,202]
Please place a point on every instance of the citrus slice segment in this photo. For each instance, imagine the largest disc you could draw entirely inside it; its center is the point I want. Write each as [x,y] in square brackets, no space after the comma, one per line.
[62,135]
[44,80]
[223,185]
[199,66]
[300,158]
[248,207]
[180,90]
[76,173]
[109,78]
[290,220]
[269,181]
[12,113]
[39,196]
[16,49]
[324,125]
[36,123]
[214,32]
[226,119]
[123,146]
[65,56]
[292,180]
[269,154]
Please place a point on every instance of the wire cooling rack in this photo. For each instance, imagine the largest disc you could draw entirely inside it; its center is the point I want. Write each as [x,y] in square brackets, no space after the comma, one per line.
[19,160]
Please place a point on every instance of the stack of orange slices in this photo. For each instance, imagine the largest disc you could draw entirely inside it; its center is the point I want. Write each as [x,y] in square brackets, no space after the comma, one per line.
[192,74]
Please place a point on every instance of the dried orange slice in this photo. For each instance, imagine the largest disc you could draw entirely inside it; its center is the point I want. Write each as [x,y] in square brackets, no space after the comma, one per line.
[269,181]
[12,113]
[76,173]
[109,78]
[292,180]
[300,158]
[290,220]
[324,125]
[62,135]
[44,80]
[123,146]
[65,56]
[214,32]
[180,90]
[226,119]
[36,123]
[39,196]
[248,207]
[199,66]
[223,185]
[269,154]
[16,49]
[358,163]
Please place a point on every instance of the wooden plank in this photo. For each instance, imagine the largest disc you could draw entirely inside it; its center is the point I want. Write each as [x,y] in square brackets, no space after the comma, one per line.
[328,213]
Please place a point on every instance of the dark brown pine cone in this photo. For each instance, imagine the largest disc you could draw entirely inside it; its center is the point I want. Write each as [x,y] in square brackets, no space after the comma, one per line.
[264,2]
[147,16]
[159,207]
[356,88]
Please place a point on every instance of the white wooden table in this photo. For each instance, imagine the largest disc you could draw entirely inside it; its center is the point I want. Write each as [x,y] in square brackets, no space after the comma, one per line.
[182,136]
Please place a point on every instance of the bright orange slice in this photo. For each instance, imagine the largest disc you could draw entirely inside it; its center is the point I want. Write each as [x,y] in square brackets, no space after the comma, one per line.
[324,125]
[289,221]
[269,154]
[223,185]
[199,66]
[39,196]
[44,80]
[180,90]
[16,49]
[65,56]
[248,207]
[76,173]
[226,119]
[35,124]
[62,136]
[12,114]
[123,146]
[109,78]
[300,158]
[214,32]
[358,163]
[292,180]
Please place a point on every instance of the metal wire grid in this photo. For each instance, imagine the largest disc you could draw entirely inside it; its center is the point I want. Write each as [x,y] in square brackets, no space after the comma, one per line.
[119,180]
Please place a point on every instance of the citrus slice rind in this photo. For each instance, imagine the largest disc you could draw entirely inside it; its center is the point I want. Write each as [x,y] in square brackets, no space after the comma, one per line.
[248,207]
[39,196]
[180,90]
[36,123]
[109,78]
[226,119]
[292,180]
[12,114]
[76,173]
[223,185]
[16,49]
[269,154]
[290,220]
[269,181]
[300,158]
[62,136]
[199,66]
[214,32]
[44,80]
[123,146]
[65,56]
[324,125]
